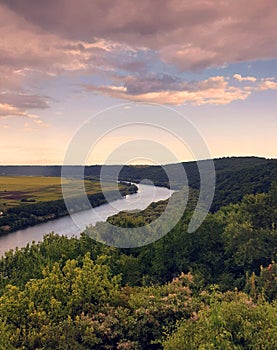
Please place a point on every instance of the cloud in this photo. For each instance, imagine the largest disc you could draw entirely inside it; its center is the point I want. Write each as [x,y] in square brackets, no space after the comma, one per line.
[214,90]
[240,78]
[149,82]
[7,110]
[170,90]
[267,84]
[25,101]
[29,54]
[190,35]
[125,41]
[19,104]
[26,48]
[13,105]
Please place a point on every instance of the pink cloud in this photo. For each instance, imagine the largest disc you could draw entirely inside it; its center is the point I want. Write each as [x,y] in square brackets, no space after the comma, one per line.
[267,84]
[25,101]
[28,52]
[240,78]
[214,90]
[8,111]
[191,35]
[51,38]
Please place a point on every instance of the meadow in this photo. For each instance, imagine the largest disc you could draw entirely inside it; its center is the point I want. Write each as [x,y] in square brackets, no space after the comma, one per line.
[19,190]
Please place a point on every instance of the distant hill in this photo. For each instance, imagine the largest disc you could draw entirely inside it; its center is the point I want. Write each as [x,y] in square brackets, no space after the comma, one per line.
[235,176]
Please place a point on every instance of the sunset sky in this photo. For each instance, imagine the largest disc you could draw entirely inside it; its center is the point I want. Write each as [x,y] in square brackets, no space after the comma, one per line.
[62,61]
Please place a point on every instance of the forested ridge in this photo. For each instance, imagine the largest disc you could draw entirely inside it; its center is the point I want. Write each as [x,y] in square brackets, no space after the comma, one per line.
[215,288]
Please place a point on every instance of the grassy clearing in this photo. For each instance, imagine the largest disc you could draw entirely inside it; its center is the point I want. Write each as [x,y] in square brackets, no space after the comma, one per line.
[19,190]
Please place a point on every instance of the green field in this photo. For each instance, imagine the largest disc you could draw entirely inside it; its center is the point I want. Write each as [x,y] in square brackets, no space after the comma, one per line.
[18,190]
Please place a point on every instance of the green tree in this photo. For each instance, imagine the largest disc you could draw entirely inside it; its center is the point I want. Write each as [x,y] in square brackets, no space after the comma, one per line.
[232,321]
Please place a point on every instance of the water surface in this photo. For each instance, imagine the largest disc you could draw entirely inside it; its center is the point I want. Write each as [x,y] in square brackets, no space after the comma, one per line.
[66,225]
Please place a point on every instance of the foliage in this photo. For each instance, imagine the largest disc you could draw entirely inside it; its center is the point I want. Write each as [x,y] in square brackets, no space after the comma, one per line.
[230,321]
[32,315]
[264,284]
[215,288]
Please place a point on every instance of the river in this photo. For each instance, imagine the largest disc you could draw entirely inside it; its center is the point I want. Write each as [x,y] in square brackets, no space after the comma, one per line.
[66,225]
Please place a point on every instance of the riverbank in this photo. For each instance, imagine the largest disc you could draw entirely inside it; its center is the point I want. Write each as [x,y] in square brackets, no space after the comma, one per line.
[73,225]
[31,214]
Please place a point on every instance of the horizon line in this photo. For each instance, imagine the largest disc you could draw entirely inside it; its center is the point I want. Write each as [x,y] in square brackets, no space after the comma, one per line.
[118,164]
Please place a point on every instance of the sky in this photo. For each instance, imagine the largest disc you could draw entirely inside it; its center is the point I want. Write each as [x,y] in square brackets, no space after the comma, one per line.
[64,61]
